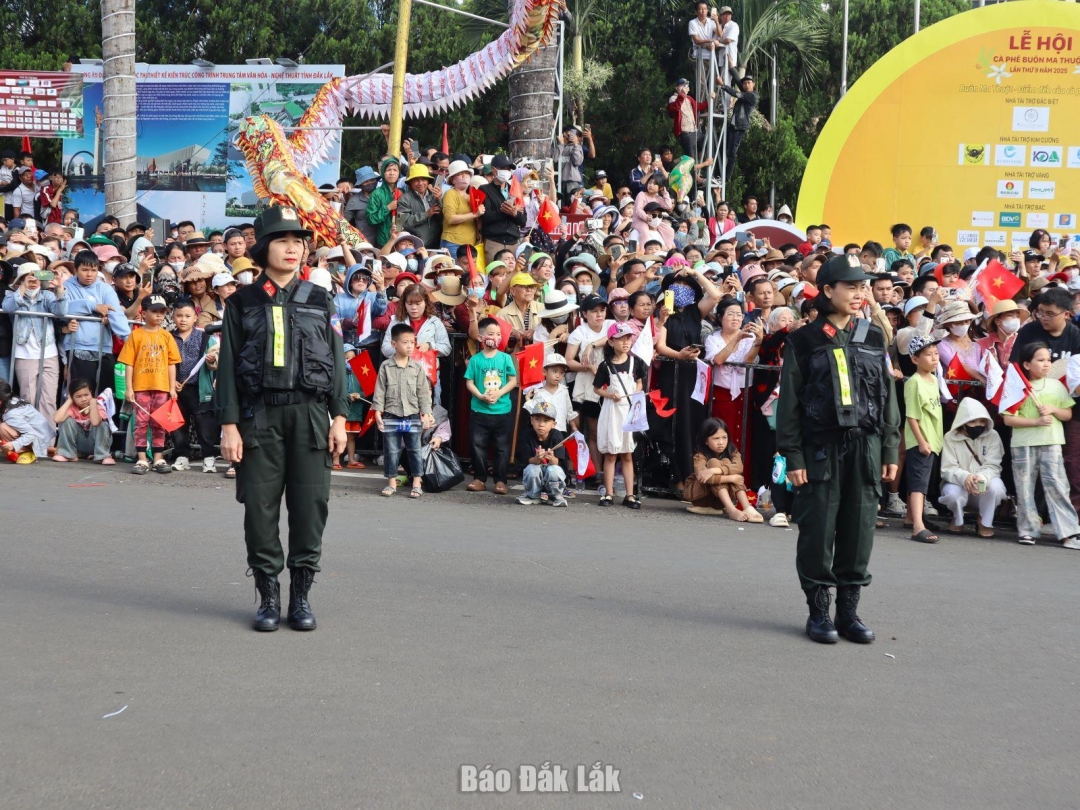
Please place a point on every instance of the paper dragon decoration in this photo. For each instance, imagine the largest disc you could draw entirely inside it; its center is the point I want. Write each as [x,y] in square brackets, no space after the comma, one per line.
[280,164]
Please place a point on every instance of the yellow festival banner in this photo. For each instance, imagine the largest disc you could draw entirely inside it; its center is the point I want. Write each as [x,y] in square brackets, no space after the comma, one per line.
[971,126]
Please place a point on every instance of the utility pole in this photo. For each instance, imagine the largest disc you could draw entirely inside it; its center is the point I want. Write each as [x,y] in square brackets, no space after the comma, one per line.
[397,95]
[918,13]
[843,57]
[118,97]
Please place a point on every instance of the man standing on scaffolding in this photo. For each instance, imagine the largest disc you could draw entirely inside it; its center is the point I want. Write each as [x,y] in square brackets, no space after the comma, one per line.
[729,38]
[705,33]
[746,101]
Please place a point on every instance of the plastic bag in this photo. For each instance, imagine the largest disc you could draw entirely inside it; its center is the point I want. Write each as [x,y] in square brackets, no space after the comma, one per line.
[441,469]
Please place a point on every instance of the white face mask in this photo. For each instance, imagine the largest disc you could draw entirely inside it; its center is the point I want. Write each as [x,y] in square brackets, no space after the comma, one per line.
[654,221]
[503,175]
[1009,325]
[561,318]
[959,329]
[244,277]
[177,266]
[108,267]
[585,289]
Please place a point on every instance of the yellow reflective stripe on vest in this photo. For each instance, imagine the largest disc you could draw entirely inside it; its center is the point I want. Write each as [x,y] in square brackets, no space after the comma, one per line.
[279,336]
[842,372]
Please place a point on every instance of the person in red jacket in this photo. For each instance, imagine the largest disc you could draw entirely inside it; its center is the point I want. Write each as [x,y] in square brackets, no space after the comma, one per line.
[684,110]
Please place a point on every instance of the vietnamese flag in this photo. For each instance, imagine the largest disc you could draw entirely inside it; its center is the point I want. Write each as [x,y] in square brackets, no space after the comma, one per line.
[530,365]
[517,192]
[364,370]
[476,199]
[169,416]
[369,420]
[996,283]
[957,372]
[548,218]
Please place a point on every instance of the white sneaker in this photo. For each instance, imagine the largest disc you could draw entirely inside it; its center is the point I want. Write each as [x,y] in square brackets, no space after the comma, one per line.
[1026,540]
[181,464]
[894,507]
[779,520]
[525,500]
[1071,542]
[209,464]
[929,510]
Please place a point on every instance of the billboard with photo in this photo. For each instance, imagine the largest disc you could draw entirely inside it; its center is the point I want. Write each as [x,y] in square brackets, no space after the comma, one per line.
[186,118]
[970,126]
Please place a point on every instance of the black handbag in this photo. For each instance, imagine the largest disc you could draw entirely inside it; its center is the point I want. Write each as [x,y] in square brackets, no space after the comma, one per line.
[441,469]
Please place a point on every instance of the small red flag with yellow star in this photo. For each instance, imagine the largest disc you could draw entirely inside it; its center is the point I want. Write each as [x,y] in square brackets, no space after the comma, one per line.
[364,370]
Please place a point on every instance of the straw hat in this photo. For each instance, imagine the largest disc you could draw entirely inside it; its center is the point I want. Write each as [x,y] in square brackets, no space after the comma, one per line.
[440,264]
[450,292]
[955,312]
[1001,308]
[557,304]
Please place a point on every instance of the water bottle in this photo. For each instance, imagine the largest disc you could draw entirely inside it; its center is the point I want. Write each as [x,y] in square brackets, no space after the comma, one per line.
[119,381]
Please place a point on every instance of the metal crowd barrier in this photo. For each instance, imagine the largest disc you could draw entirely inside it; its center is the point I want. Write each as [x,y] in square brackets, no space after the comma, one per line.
[41,358]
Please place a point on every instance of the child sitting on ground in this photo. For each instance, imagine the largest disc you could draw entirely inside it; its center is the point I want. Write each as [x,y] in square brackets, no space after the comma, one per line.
[402,406]
[151,357]
[716,487]
[554,392]
[923,435]
[971,467]
[543,475]
[24,433]
[84,427]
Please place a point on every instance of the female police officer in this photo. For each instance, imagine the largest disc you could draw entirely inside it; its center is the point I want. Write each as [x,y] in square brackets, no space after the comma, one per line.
[837,424]
[281,378]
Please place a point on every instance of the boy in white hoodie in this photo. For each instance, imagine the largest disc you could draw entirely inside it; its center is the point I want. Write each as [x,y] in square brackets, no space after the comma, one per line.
[971,467]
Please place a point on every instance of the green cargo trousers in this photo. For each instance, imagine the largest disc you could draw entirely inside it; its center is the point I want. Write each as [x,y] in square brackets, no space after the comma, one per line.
[289,456]
[836,511]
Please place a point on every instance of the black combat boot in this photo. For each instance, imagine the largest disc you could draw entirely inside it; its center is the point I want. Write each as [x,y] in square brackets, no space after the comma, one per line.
[847,620]
[269,613]
[819,626]
[300,615]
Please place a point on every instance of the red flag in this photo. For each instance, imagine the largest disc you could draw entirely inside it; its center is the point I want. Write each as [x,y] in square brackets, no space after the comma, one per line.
[364,370]
[369,420]
[516,191]
[445,139]
[548,218]
[363,320]
[996,283]
[476,199]
[578,451]
[530,363]
[660,403]
[168,416]
[430,361]
[474,274]
[957,372]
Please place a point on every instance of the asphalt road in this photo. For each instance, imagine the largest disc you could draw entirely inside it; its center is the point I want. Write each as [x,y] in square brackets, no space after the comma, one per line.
[464,629]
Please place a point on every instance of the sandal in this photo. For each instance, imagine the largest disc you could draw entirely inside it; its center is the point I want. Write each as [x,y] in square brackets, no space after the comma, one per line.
[951,529]
[754,516]
[984,532]
[607,500]
[388,491]
[925,536]
[231,472]
[356,465]
[160,466]
[336,467]
[416,492]
[140,468]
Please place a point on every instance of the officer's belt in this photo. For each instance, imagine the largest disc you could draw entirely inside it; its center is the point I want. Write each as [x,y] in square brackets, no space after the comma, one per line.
[291,397]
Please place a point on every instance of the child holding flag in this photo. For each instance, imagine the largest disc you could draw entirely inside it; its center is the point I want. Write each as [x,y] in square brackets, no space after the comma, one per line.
[619,376]
[1035,409]
[194,390]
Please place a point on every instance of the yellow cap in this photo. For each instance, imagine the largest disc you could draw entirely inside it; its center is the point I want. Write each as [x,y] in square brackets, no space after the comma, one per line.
[523,280]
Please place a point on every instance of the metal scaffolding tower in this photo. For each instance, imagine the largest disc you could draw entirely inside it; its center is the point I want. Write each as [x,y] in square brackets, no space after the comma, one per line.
[712,70]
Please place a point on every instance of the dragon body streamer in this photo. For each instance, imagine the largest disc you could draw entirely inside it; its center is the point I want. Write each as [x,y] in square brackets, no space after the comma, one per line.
[280,164]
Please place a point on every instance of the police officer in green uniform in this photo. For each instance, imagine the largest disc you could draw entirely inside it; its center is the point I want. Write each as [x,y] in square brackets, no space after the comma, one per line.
[838,426]
[282,404]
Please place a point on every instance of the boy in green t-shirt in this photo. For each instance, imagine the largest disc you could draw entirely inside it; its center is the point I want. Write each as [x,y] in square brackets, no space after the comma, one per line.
[490,377]
[924,432]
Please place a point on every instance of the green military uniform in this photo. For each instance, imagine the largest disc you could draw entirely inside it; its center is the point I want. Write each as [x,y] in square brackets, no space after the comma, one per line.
[838,419]
[281,378]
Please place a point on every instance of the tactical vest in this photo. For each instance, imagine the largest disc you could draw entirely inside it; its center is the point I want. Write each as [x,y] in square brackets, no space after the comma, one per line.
[286,346]
[845,387]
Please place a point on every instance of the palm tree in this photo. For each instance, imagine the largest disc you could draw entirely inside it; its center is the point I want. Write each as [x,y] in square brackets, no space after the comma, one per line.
[798,26]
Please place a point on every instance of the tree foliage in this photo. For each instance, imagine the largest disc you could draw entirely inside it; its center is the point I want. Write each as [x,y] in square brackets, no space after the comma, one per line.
[645,41]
